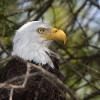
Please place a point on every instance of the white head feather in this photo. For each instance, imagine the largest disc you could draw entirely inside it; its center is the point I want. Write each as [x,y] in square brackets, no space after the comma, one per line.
[28,44]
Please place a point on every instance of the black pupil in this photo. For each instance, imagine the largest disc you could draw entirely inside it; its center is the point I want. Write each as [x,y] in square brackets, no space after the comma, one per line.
[41,30]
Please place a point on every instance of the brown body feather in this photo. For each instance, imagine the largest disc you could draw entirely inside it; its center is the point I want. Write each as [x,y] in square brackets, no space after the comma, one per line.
[37,87]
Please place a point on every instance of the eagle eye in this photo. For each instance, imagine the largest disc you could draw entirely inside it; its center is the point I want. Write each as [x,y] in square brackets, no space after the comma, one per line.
[41,30]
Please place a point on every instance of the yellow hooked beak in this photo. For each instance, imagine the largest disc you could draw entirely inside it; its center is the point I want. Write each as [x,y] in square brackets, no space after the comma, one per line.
[56,34]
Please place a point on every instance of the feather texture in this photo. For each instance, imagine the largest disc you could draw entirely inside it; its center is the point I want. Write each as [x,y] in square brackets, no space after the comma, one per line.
[29,45]
[37,87]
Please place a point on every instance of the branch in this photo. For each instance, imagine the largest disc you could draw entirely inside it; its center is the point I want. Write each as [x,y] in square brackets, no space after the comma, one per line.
[73,68]
[39,12]
[93,2]
[19,11]
[8,84]
[3,61]
[75,14]
[42,10]
[11,94]
[80,9]
[54,80]
[4,49]
[89,58]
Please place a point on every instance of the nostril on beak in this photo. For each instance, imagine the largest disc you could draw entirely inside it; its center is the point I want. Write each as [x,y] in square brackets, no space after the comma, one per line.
[55,30]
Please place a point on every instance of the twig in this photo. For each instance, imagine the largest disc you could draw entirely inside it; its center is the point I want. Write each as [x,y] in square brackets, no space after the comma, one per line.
[39,12]
[11,94]
[89,58]
[72,67]
[5,60]
[19,11]
[94,2]
[53,79]
[4,50]
[76,14]
[8,84]
[26,75]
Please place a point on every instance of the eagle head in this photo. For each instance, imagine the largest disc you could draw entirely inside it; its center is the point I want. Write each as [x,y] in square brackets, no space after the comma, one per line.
[31,41]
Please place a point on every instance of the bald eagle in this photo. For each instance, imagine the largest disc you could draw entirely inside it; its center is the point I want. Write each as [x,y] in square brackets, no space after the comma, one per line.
[31,43]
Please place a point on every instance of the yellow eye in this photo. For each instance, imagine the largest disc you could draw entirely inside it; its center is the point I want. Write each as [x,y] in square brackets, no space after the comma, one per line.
[41,30]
